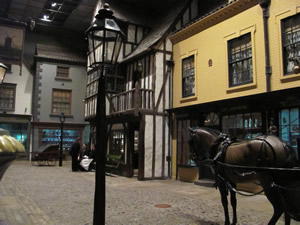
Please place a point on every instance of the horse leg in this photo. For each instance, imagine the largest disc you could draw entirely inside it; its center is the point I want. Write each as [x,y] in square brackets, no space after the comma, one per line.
[272,197]
[223,192]
[287,219]
[233,204]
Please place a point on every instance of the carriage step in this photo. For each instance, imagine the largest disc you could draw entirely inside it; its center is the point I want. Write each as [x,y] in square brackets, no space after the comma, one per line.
[205,183]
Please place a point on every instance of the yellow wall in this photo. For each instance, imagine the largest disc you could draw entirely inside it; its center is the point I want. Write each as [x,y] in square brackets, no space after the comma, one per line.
[211,43]
[211,83]
[280,10]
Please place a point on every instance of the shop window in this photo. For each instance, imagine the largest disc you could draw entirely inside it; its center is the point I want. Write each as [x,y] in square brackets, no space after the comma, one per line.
[18,131]
[188,77]
[289,126]
[291,42]
[117,142]
[242,126]
[61,101]
[62,72]
[7,97]
[240,61]
[52,136]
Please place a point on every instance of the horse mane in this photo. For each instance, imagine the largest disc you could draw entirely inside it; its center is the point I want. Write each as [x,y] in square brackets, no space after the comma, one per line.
[210,130]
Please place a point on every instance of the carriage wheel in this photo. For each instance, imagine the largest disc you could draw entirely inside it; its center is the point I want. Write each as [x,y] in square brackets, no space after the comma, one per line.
[41,162]
[33,162]
[51,161]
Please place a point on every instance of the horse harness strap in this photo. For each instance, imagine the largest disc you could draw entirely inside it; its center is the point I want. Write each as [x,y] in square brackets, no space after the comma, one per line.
[225,141]
[262,147]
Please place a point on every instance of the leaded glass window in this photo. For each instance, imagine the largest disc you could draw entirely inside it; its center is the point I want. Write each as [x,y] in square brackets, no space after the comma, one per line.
[62,72]
[117,142]
[188,77]
[61,101]
[291,42]
[7,97]
[240,61]
[243,126]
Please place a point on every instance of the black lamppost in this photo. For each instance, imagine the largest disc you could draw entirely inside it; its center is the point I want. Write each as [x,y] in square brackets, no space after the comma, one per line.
[3,70]
[62,119]
[104,42]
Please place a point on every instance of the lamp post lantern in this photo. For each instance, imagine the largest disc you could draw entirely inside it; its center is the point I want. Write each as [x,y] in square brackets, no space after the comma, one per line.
[104,43]
[62,119]
[3,70]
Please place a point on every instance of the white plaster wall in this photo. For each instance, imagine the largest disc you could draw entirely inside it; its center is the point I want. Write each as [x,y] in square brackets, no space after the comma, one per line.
[158,146]
[159,79]
[148,146]
[142,82]
[169,46]
[167,145]
[167,87]
[23,89]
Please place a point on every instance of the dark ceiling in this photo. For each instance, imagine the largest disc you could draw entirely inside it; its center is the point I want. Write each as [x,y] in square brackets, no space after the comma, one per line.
[68,14]
[77,15]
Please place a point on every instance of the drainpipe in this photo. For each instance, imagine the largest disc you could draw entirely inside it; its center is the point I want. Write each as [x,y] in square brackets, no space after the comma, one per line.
[265,7]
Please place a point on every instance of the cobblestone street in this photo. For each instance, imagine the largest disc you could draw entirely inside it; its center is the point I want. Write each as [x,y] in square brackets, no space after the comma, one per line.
[33,195]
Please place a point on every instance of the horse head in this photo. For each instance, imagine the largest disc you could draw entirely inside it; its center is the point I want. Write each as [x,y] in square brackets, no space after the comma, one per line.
[201,141]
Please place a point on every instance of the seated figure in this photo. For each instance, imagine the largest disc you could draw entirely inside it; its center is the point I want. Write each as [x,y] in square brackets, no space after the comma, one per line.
[87,161]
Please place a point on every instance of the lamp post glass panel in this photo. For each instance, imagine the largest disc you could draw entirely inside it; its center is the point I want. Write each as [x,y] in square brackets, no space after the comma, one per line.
[104,42]
[3,70]
[62,119]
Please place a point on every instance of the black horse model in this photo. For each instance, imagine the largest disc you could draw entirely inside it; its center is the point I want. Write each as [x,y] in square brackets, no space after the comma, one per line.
[261,152]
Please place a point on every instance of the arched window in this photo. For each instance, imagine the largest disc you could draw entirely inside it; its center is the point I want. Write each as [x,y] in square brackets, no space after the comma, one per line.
[212,120]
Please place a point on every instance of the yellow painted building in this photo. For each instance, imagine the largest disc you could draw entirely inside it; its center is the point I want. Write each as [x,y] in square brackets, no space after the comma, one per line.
[234,72]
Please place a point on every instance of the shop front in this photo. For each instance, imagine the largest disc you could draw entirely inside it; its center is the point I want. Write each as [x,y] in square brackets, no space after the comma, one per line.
[50,134]
[19,127]
[245,118]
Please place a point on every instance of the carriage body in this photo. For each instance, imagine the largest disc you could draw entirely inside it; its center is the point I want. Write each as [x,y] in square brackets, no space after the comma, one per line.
[46,155]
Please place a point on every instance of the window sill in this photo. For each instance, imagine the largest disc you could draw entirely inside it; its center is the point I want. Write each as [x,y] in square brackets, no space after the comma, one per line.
[188,99]
[63,79]
[290,77]
[58,115]
[241,88]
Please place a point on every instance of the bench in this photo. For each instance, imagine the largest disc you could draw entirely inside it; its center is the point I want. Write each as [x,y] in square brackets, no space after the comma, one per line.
[112,163]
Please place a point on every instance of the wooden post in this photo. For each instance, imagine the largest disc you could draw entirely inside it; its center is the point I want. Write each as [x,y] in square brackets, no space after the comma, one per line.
[137,98]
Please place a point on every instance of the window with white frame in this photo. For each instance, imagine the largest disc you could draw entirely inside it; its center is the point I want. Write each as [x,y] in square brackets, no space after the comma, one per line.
[240,61]
[188,77]
[291,42]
